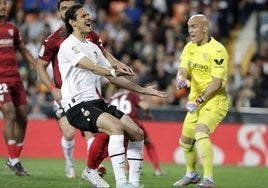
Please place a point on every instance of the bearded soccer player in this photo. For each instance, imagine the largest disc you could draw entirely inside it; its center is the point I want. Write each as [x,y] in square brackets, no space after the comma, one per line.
[13,103]
[48,53]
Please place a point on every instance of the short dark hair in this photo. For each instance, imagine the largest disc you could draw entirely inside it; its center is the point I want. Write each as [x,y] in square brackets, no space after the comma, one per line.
[60,1]
[71,14]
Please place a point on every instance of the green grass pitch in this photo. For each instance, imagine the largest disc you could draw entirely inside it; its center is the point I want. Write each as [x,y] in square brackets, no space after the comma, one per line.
[49,173]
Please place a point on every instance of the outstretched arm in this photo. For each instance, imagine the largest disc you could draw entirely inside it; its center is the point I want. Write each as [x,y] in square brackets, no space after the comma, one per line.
[127,84]
[87,64]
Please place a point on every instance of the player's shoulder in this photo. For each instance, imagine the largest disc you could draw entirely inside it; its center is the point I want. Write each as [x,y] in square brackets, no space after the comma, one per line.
[58,35]
[216,44]
[69,43]
[68,40]
[189,46]
[93,34]
[9,24]
[218,50]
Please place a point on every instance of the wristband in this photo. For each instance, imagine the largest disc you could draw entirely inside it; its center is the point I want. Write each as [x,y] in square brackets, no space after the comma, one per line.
[51,87]
[200,99]
[113,73]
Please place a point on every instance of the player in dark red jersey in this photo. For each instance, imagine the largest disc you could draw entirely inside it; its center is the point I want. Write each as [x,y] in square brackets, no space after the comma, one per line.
[129,102]
[48,53]
[13,103]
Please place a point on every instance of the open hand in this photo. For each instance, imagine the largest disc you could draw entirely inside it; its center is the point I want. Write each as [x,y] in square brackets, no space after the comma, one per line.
[150,90]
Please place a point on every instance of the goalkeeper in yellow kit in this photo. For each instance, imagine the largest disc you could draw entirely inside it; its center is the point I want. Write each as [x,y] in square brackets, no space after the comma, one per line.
[203,68]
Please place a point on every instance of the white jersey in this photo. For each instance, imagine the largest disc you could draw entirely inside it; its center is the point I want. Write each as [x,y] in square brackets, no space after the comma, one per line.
[78,84]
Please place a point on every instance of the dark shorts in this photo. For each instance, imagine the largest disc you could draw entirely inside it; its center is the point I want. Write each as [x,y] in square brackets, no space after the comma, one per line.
[13,91]
[84,116]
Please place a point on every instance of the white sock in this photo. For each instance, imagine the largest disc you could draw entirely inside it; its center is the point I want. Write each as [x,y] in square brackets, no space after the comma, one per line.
[135,161]
[89,142]
[117,154]
[68,149]
[13,161]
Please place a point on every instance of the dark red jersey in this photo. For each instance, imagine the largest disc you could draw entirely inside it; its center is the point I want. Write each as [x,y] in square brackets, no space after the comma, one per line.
[10,38]
[50,48]
[127,102]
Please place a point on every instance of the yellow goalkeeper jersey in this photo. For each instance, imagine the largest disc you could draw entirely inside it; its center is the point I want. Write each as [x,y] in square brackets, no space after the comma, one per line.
[204,62]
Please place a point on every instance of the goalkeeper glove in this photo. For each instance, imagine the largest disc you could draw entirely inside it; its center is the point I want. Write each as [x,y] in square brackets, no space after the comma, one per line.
[192,105]
[182,82]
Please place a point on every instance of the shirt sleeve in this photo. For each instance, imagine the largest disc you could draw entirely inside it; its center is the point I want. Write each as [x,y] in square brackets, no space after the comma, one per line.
[71,53]
[184,58]
[17,37]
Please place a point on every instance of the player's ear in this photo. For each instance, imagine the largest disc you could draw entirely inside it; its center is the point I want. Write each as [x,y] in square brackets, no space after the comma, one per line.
[72,23]
[205,28]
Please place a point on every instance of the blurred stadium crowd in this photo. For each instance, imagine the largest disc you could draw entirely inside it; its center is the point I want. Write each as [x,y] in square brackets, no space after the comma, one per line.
[149,36]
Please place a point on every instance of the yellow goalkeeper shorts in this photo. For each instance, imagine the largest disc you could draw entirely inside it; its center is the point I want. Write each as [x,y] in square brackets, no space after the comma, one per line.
[210,114]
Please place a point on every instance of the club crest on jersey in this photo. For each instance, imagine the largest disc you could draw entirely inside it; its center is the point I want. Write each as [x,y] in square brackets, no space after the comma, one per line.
[75,49]
[205,56]
[11,32]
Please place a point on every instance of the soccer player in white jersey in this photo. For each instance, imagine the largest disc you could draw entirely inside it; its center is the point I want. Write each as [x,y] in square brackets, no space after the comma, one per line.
[79,62]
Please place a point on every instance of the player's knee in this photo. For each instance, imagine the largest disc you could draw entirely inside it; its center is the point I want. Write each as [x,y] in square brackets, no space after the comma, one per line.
[186,147]
[136,134]
[68,136]
[116,129]
[141,134]
[147,140]
[201,135]
[10,117]
[68,133]
[125,119]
